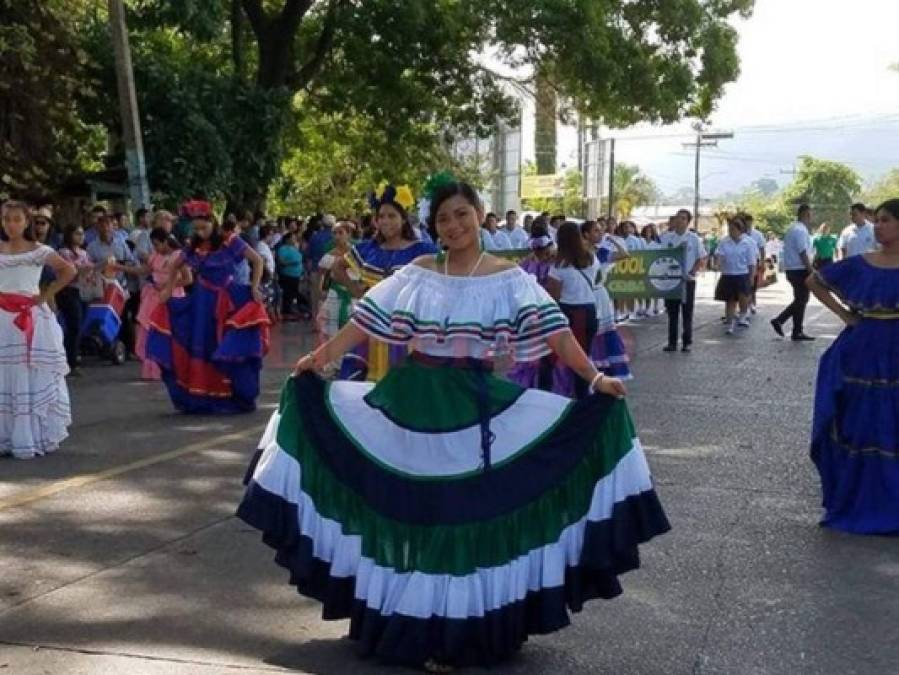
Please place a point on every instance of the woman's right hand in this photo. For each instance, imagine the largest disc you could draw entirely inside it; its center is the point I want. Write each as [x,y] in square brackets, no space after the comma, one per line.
[612,386]
[305,363]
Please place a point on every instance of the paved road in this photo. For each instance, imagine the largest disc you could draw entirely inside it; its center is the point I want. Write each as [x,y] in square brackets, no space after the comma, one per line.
[120,553]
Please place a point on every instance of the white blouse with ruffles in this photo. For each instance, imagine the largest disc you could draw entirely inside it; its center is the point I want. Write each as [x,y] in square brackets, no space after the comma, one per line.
[462,317]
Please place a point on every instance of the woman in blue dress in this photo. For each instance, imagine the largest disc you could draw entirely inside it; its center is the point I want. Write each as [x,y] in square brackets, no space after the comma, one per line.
[209,344]
[394,245]
[855,433]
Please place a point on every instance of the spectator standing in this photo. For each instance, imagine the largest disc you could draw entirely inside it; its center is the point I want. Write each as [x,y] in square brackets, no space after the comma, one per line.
[69,299]
[797,257]
[759,272]
[107,251]
[320,242]
[290,270]
[518,238]
[825,245]
[269,274]
[140,236]
[694,255]
[858,237]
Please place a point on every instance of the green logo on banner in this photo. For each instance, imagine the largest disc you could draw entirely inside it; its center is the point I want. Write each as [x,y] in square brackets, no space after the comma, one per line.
[653,273]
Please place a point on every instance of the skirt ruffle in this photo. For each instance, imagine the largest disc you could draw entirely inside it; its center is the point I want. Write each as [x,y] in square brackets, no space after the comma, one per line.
[855,434]
[429,555]
[34,400]
[210,368]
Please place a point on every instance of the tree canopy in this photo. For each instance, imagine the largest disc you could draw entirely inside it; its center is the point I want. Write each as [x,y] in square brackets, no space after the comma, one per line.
[224,85]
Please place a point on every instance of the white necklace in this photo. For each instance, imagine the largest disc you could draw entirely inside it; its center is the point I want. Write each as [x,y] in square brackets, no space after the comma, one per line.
[473,269]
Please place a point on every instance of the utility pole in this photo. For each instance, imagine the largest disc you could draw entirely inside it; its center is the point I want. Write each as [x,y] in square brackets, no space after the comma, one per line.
[611,207]
[704,139]
[131,133]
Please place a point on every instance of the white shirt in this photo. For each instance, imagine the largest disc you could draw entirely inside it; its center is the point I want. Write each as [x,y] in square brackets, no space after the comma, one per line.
[517,237]
[758,238]
[695,251]
[577,284]
[857,240]
[736,257]
[634,243]
[501,241]
[265,252]
[487,240]
[20,273]
[773,247]
[796,240]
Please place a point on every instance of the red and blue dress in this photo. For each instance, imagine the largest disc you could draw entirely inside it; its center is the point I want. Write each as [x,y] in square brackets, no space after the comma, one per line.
[210,344]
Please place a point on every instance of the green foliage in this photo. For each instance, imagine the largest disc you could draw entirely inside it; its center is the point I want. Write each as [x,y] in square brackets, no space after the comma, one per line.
[335,160]
[887,187]
[829,187]
[632,189]
[571,203]
[42,139]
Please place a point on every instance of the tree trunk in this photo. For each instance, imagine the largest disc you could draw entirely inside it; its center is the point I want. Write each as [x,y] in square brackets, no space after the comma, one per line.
[545,127]
[238,42]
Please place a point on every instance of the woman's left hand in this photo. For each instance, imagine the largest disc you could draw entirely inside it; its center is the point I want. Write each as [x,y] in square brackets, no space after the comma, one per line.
[612,386]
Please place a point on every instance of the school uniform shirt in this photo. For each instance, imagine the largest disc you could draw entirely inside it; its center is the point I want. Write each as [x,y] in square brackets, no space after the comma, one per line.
[796,240]
[857,240]
[634,243]
[694,249]
[758,238]
[577,284]
[736,257]
[517,237]
[268,258]
[501,241]
[487,242]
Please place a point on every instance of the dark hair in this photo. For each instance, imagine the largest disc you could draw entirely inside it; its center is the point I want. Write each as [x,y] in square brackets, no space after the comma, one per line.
[98,208]
[891,206]
[803,209]
[159,234]
[571,250]
[511,212]
[587,226]
[265,230]
[140,213]
[858,206]
[406,232]
[216,239]
[13,205]
[490,215]
[687,213]
[448,191]
[556,218]
[67,234]
[738,222]
[538,229]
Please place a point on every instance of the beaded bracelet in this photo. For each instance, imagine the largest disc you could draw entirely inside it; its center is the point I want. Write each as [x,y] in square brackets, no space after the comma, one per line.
[597,378]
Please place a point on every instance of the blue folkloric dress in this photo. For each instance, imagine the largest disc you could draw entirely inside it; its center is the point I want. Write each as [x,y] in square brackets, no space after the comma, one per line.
[210,344]
[855,434]
[372,263]
[448,513]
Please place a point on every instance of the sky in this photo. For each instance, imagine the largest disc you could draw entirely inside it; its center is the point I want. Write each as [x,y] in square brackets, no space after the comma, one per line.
[815,79]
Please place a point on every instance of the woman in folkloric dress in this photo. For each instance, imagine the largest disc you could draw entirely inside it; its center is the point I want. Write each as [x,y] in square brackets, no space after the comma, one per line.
[448,513]
[855,433]
[210,343]
[394,245]
[34,399]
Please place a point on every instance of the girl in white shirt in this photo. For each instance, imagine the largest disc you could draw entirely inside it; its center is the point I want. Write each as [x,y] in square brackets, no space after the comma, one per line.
[737,258]
[575,282]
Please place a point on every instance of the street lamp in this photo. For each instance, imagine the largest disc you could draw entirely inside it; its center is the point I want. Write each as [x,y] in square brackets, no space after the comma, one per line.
[704,139]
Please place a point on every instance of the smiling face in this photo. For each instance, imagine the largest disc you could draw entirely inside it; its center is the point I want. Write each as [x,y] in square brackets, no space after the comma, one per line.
[15,223]
[886,229]
[389,222]
[458,223]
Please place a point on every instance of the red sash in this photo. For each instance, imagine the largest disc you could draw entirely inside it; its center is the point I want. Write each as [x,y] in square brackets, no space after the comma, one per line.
[20,305]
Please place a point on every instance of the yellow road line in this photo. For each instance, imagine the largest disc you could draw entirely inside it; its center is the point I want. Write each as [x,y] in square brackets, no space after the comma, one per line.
[28,496]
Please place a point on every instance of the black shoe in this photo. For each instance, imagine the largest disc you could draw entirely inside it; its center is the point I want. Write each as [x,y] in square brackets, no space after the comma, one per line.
[777,327]
[685,348]
[670,348]
[802,337]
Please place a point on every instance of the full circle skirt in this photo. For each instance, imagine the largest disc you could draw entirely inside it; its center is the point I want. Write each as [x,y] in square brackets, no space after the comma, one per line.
[447,513]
